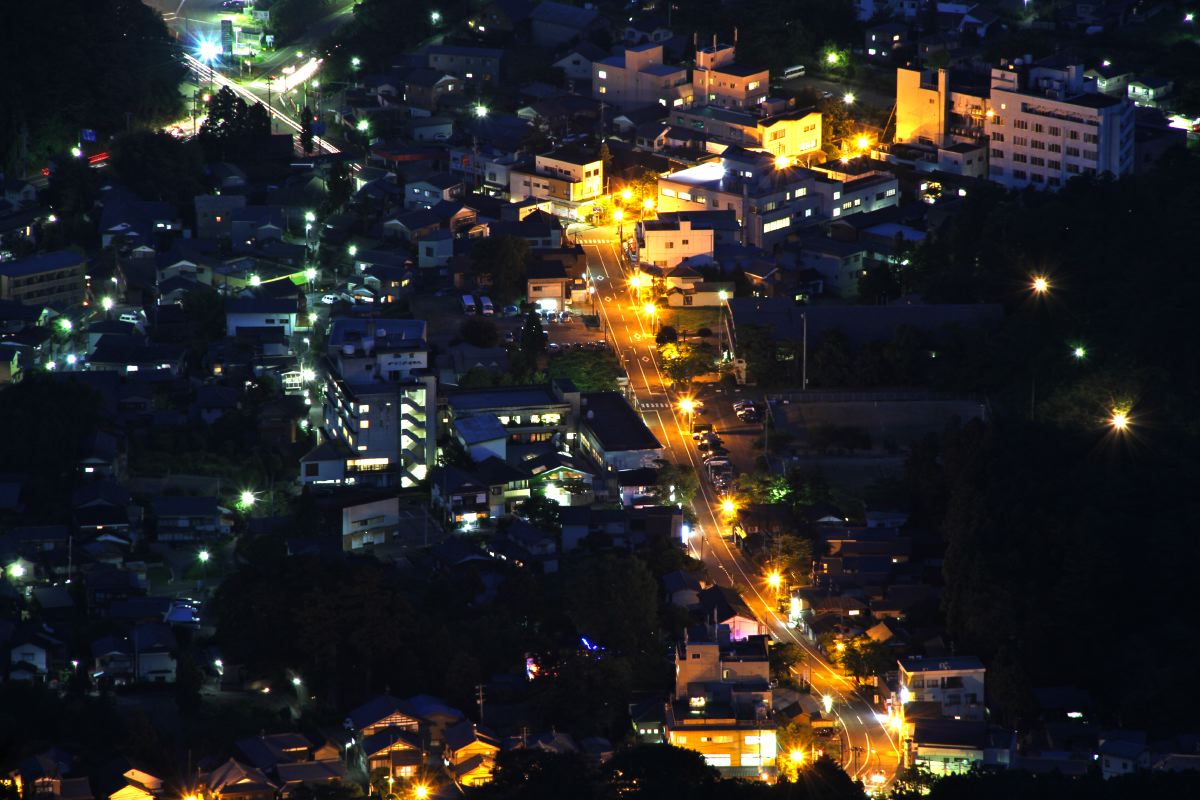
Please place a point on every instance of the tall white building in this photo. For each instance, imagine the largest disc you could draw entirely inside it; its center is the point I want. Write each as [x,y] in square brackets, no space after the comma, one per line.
[1045,127]
[380,406]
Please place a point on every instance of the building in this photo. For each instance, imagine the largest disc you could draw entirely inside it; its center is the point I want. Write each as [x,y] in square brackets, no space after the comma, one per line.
[773,200]
[532,415]
[379,405]
[260,312]
[673,237]
[954,682]
[722,705]
[1150,90]
[638,77]
[56,278]
[1042,123]
[569,177]
[555,24]
[547,285]
[883,40]
[1046,127]
[433,189]
[795,133]
[718,80]
[474,65]
[613,434]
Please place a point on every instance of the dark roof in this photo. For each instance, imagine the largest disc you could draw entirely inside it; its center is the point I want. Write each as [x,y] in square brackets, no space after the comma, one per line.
[460,50]
[374,710]
[950,733]
[59,259]
[169,506]
[480,428]
[440,180]
[546,270]
[616,425]
[725,601]
[467,732]
[502,397]
[565,15]
[261,305]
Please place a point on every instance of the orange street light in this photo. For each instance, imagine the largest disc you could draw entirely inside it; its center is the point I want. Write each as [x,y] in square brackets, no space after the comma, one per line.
[782,162]
[420,791]
[626,194]
[618,215]
[862,142]
[687,406]
[648,204]
[1040,284]
[649,309]
[728,506]
[796,757]
[1119,420]
[774,579]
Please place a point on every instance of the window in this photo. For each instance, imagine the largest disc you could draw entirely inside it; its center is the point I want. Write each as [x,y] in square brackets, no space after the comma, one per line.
[1037,161]
[602,74]
[1020,141]
[670,245]
[685,196]
[997,170]
[685,242]
[1073,169]
[1073,151]
[1090,154]
[1054,148]
[1090,138]
[1072,135]
[668,192]
[1055,130]
[363,424]
[603,90]
[1019,174]
[1019,158]
[1037,127]
[752,85]
[1038,144]
[777,135]
[890,193]
[776,225]
[312,470]
[695,656]
[998,121]
[1052,164]
[1020,124]
[997,152]
[837,195]
[997,137]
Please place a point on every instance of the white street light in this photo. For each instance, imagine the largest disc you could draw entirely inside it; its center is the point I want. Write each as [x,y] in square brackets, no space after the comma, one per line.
[248,499]
[311,273]
[848,98]
[76,152]
[255,280]
[107,303]
[208,50]
[204,556]
[481,111]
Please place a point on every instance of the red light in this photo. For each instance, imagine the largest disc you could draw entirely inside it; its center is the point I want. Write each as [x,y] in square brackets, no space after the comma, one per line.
[98,158]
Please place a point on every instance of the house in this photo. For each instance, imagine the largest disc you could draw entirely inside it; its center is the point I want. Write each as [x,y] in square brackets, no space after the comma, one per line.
[21,194]
[955,747]
[1122,753]
[718,80]
[380,713]
[234,780]
[683,589]
[884,40]
[703,294]
[261,312]
[638,77]
[723,606]
[956,683]
[489,490]
[214,214]
[112,659]
[255,225]
[547,285]
[309,775]
[470,753]
[139,785]
[501,16]
[482,436]
[154,648]
[1150,90]
[555,24]
[56,278]
[428,89]
[433,189]
[569,177]
[613,434]
[370,519]
[478,65]
[1110,79]
[576,65]
[188,519]
[540,229]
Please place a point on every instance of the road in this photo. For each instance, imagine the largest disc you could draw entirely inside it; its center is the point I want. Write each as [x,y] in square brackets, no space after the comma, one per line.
[870,747]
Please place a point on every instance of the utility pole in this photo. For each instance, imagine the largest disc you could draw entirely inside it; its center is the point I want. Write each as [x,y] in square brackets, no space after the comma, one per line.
[479,699]
[804,358]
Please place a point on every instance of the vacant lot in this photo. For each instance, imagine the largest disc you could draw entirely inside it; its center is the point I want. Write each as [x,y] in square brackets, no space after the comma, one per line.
[891,425]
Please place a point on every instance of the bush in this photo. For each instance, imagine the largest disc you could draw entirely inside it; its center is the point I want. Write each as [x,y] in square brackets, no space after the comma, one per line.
[666,335]
[704,333]
[479,332]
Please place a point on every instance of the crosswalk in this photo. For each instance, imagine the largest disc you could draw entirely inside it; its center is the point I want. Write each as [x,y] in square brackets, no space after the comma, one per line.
[648,405]
[603,240]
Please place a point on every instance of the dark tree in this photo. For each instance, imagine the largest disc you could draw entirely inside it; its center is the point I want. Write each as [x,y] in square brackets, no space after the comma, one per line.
[157,166]
[306,129]
[479,331]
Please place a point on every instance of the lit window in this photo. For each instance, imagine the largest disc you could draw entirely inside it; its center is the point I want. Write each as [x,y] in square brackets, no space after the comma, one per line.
[603,90]
[602,75]
[364,409]
[364,424]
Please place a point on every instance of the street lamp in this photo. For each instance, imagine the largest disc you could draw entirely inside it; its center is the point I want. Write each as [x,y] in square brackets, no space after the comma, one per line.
[782,162]
[848,98]
[76,152]
[311,274]
[1119,420]
[728,506]
[650,310]
[352,250]
[255,281]
[65,324]
[1040,284]
[481,111]
[619,216]
[627,194]
[106,303]
[308,375]
[310,216]
[862,142]
[204,556]
[435,17]
[796,757]
[827,703]
[208,51]
[774,580]
[1079,352]
[363,125]
[421,791]
[247,499]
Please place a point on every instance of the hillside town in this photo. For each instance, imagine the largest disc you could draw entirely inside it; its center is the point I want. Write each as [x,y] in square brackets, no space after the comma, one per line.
[535,399]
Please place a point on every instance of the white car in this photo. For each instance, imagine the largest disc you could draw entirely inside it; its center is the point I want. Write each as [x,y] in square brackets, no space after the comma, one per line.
[329,299]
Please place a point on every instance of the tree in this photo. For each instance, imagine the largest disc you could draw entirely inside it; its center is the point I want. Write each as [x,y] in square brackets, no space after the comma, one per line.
[339,187]
[204,311]
[836,124]
[158,166]
[682,362]
[655,771]
[865,658]
[533,337]
[306,129]
[676,483]
[783,657]
[589,371]
[666,334]
[505,259]
[613,600]
[542,513]
[479,331]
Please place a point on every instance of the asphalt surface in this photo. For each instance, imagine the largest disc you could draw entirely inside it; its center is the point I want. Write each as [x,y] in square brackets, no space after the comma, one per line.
[871,752]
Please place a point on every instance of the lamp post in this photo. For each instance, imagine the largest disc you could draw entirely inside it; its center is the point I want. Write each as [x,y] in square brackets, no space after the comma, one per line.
[619,216]
[651,311]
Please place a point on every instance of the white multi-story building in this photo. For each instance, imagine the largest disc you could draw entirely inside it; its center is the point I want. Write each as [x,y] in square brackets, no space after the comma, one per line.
[669,239]
[568,177]
[380,401]
[1041,123]
[954,682]
[1045,128]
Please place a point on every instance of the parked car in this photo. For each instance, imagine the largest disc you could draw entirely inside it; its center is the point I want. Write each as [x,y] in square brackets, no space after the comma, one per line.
[511,311]
[564,316]
[329,299]
[509,337]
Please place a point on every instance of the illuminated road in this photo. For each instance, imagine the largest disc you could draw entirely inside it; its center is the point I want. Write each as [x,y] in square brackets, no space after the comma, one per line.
[205,73]
[870,746]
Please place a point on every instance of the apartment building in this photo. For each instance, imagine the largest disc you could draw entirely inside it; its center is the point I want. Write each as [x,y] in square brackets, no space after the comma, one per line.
[795,133]
[955,683]
[638,77]
[1045,128]
[568,177]
[773,201]
[722,705]
[1041,123]
[380,401]
[55,278]
[718,80]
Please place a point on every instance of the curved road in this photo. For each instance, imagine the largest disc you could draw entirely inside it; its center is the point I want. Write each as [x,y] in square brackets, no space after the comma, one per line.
[871,750]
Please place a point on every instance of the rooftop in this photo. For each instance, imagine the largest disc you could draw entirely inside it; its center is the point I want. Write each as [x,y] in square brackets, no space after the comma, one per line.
[502,397]
[941,664]
[614,422]
[46,262]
